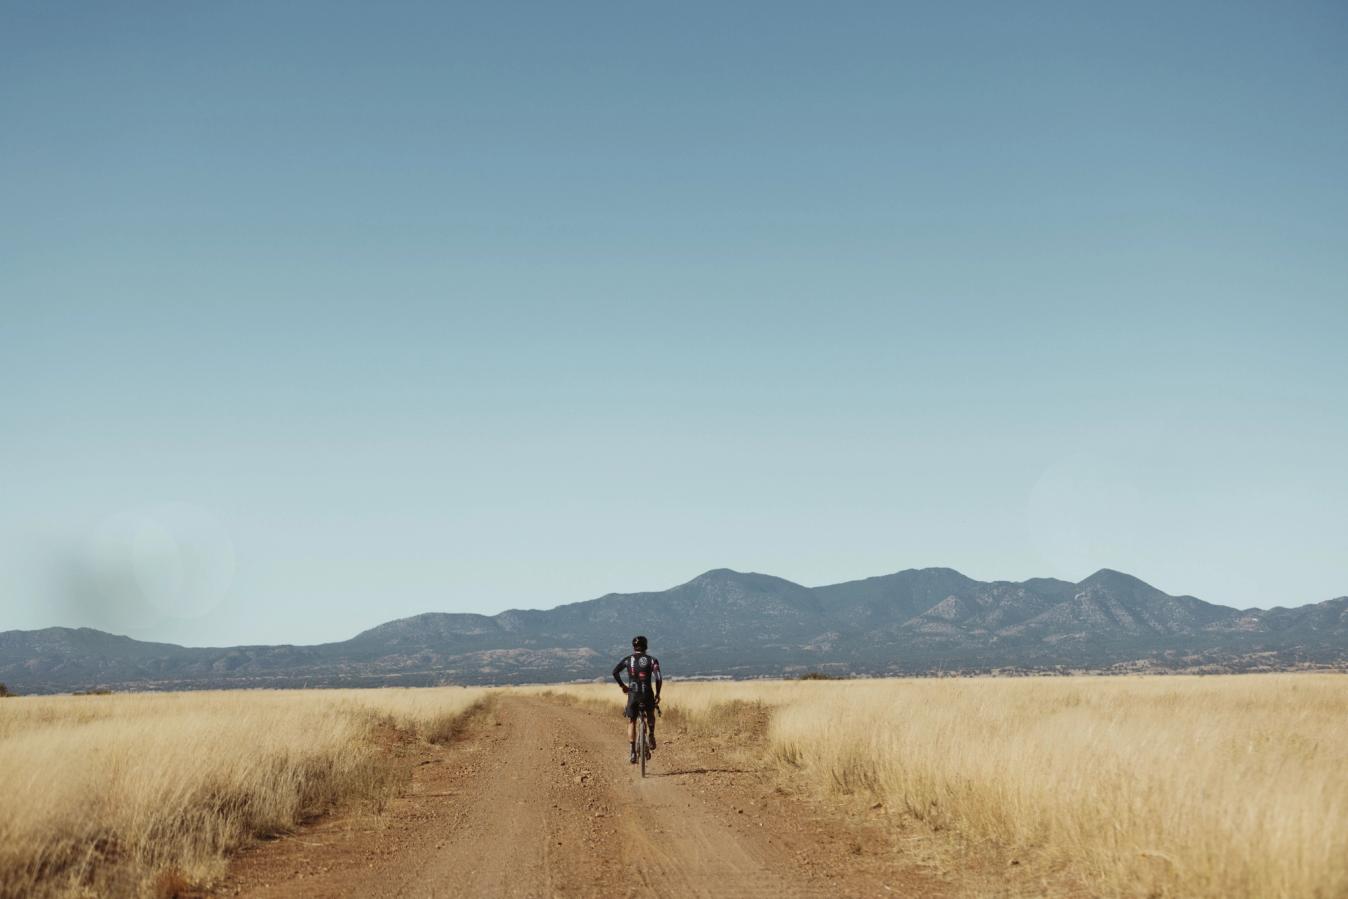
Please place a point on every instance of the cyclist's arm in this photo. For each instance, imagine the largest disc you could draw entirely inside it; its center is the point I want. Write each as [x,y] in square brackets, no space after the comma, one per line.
[655,674]
[617,670]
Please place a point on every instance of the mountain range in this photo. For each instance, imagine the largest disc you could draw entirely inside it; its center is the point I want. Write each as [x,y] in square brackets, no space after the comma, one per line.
[735,624]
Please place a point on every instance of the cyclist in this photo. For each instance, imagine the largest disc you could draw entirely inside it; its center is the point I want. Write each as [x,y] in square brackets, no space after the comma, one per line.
[642,689]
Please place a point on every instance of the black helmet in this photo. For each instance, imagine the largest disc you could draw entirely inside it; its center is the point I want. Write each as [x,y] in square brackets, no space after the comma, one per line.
[639,643]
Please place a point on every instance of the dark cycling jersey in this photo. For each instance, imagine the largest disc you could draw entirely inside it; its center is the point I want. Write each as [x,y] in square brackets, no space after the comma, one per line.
[643,676]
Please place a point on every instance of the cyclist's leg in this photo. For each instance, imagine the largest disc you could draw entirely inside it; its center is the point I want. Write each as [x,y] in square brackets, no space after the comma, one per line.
[650,720]
[630,713]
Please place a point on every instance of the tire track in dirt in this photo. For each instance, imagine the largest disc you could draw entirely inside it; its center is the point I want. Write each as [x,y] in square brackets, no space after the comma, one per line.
[670,844]
[535,798]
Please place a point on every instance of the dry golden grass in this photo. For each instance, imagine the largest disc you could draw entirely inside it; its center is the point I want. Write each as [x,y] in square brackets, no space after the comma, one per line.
[1179,786]
[1206,787]
[696,707]
[139,793]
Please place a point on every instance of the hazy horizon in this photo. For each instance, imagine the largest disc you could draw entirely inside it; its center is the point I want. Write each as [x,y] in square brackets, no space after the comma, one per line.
[313,317]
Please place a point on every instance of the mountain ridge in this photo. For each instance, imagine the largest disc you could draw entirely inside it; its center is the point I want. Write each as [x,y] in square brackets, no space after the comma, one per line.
[730,623]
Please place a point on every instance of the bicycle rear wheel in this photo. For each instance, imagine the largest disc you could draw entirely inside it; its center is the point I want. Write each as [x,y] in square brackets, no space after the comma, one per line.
[642,749]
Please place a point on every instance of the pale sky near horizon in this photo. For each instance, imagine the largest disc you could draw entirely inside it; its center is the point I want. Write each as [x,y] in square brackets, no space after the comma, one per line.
[317,315]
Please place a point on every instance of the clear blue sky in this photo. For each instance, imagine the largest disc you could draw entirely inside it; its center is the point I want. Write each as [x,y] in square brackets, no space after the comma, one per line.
[316,315]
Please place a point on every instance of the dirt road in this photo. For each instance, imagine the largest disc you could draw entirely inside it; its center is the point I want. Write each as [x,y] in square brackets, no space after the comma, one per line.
[536,798]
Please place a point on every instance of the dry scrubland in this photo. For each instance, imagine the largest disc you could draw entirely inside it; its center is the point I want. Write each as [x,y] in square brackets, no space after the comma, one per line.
[137,793]
[1217,787]
[1179,786]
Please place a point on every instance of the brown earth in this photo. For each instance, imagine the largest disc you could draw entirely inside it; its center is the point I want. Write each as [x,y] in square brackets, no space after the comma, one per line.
[535,797]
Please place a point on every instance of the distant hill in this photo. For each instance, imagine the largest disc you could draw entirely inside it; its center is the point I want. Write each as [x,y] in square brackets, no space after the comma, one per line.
[738,624]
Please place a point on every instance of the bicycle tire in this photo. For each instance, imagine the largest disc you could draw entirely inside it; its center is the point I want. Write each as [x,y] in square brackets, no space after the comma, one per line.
[642,751]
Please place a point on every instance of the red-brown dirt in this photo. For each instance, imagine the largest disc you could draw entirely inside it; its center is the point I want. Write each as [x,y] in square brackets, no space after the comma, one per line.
[535,798]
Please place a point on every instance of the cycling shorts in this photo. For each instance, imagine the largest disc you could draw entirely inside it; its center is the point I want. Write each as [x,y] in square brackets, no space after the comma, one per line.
[636,700]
